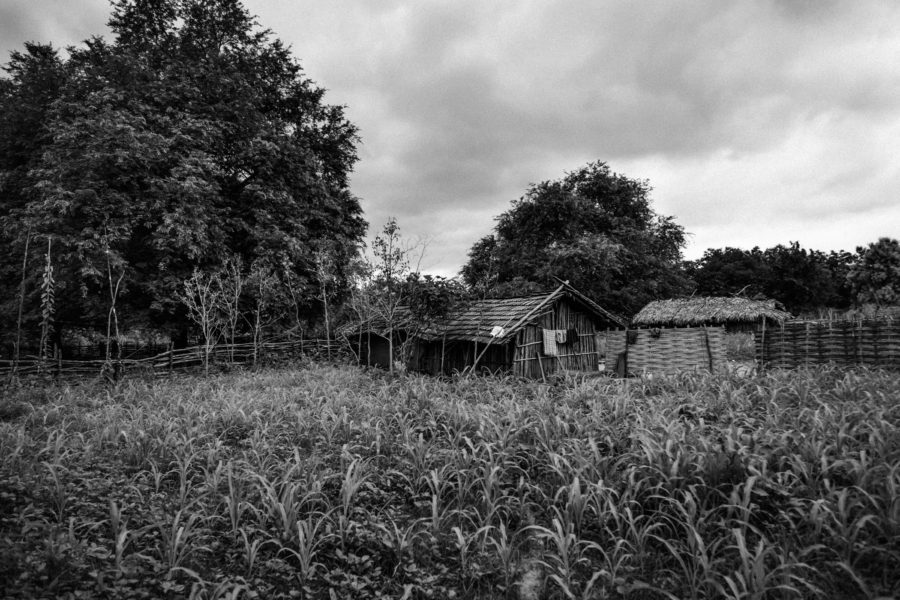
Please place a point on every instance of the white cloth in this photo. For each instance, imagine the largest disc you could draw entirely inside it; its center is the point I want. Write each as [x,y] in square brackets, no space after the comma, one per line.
[561,336]
[550,348]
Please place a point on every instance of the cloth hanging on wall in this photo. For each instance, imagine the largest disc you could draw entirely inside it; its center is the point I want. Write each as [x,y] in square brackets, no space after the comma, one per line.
[550,348]
[572,335]
[560,336]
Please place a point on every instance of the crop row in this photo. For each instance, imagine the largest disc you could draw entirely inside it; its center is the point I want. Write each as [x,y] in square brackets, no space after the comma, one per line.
[336,482]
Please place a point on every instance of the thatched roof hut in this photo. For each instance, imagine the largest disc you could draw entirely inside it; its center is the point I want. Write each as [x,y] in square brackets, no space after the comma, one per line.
[736,314]
[498,334]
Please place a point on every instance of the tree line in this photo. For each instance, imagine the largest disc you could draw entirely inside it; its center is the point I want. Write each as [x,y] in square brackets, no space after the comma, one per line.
[187,177]
[597,229]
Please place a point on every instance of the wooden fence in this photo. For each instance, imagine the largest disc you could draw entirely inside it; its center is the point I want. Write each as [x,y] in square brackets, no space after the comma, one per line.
[661,350]
[173,360]
[872,343]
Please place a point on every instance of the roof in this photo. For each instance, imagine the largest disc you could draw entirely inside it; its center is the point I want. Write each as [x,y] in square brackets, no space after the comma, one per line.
[479,319]
[708,310]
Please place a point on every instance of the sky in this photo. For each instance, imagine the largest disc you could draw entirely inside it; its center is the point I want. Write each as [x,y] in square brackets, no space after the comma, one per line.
[756,123]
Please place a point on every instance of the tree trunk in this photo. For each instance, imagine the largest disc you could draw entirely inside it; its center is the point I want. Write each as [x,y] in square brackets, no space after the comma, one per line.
[391,350]
[15,368]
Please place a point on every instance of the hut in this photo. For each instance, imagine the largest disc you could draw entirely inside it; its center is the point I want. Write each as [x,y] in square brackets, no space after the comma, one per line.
[735,314]
[530,336]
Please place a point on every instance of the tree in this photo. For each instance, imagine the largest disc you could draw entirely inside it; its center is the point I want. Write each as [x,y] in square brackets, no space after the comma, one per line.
[729,271]
[389,271]
[192,136]
[269,302]
[203,297]
[803,280]
[34,79]
[875,278]
[594,228]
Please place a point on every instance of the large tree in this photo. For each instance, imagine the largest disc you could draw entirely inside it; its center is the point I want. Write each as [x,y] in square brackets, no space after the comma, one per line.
[192,136]
[875,277]
[593,227]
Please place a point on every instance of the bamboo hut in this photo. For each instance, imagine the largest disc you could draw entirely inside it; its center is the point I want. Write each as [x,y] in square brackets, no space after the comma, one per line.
[531,336]
[735,314]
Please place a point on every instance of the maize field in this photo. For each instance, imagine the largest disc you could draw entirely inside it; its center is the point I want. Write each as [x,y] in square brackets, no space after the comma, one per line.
[336,482]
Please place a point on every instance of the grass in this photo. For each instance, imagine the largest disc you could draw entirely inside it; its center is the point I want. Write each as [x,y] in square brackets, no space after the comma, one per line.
[334,482]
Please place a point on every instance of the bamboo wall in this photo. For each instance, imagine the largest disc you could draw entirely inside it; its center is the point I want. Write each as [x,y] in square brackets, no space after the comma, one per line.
[874,343]
[663,350]
[529,360]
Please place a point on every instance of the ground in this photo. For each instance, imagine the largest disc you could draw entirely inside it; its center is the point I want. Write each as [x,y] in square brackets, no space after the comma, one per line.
[324,481]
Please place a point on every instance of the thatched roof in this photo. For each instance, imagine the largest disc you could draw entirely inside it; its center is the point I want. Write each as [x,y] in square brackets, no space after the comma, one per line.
[708,311]
[479,319]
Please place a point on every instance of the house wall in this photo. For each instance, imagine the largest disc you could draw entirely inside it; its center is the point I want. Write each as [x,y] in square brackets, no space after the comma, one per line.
[579,355]
[459,355]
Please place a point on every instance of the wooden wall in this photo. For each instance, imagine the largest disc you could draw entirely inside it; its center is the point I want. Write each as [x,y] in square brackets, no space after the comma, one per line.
[580,355]
[459,355]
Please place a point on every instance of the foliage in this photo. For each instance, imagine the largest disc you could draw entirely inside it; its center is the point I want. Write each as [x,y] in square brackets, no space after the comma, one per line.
[432,298]
[802,280]
[594,228]
[48,302]
[875,278]
[280,484]
[192,136]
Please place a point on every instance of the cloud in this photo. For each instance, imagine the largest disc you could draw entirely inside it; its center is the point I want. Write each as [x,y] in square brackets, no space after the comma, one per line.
[60,22]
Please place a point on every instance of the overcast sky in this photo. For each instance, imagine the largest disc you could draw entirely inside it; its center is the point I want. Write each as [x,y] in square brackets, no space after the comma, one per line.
[756,123]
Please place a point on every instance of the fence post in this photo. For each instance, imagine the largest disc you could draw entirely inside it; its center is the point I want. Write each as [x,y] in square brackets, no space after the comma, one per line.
[58,351]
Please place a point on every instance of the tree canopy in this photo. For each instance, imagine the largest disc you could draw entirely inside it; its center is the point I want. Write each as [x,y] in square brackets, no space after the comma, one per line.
[190,137]
[593,227]
[802,280]
[875,278]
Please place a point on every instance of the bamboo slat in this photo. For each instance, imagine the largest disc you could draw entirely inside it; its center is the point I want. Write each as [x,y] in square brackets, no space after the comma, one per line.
[163,363]
[873,343]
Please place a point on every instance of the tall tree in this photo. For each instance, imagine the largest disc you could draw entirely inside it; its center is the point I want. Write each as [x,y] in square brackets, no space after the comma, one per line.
[34,78]
[593,227]
[192,136]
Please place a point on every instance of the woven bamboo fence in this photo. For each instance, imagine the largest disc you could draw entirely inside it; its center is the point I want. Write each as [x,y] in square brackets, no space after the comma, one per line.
[872,343]
[662,350]
[173,360]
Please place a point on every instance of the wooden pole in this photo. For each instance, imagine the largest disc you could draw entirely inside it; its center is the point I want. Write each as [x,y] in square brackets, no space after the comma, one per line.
[541,365]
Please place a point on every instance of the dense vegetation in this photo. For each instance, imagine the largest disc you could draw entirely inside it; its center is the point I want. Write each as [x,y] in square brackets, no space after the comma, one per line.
[288,483]
[191,138]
